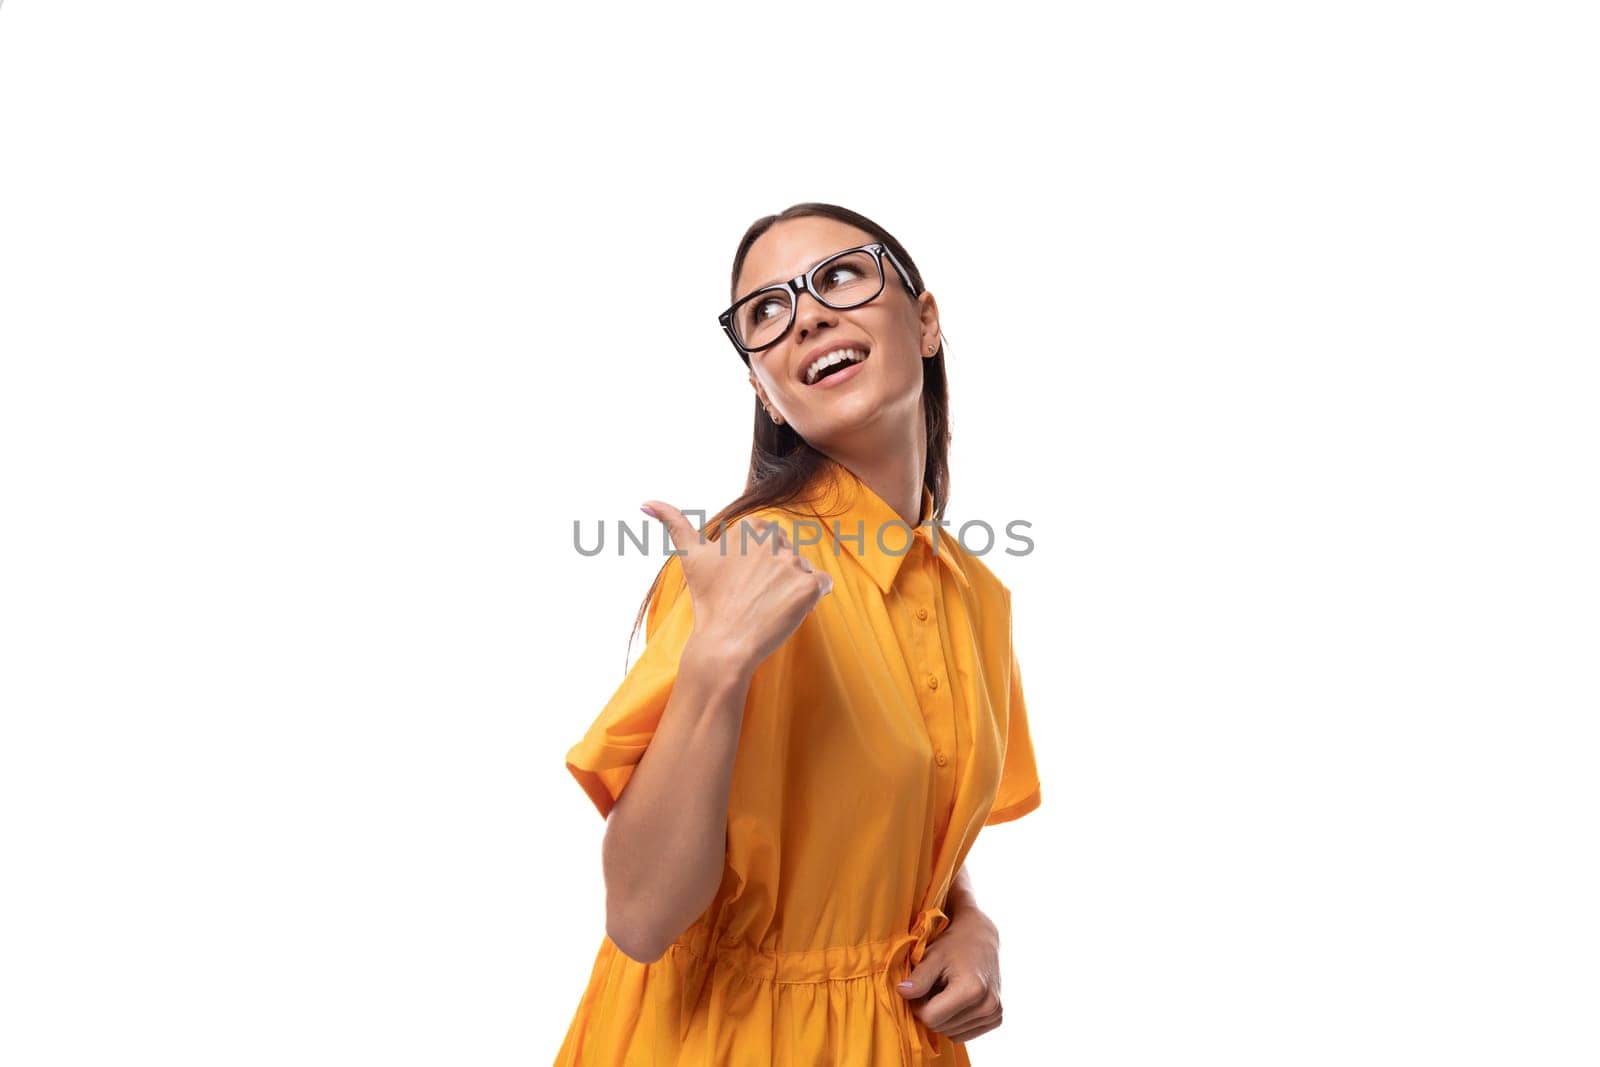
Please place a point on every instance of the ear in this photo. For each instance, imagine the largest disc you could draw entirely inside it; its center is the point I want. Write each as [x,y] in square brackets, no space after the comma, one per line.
[928,323]
[761,394]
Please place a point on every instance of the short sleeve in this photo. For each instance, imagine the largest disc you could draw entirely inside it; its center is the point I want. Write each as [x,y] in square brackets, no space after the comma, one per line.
[1019,777]
[604,760]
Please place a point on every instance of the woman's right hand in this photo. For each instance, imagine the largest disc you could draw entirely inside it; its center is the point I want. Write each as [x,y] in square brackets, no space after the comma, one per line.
[745,602]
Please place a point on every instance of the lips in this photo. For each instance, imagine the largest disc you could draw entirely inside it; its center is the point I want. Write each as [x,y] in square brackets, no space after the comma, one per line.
[837,378]
[824,360]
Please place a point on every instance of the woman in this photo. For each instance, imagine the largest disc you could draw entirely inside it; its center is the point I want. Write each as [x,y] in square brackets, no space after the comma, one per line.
[826,712]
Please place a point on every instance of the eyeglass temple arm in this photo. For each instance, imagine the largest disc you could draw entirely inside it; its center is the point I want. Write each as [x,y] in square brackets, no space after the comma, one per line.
[905,276]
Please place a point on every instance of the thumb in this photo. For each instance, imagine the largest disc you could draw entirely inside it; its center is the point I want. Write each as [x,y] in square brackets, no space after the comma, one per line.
[680,529]
[921,979]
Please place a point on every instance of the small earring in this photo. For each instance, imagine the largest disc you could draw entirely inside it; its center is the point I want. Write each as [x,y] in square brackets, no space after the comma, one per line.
[774,416]
[930,348]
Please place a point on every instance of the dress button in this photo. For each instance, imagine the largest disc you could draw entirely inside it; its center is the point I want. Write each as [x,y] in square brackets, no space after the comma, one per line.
[933,681]
[942,758]
[922,613]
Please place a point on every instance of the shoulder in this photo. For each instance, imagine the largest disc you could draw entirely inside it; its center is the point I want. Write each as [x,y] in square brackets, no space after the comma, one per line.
[669,590]
[786,514]
[989,596]
[797,523]
[983,579]
[805,533]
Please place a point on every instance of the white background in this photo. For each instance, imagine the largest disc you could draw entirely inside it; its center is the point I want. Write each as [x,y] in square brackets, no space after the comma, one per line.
[321,323]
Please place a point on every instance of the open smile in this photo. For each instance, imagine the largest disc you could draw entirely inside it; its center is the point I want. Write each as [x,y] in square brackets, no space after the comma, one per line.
[832,366]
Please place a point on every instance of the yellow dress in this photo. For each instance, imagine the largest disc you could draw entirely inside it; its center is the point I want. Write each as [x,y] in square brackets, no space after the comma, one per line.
[877,741]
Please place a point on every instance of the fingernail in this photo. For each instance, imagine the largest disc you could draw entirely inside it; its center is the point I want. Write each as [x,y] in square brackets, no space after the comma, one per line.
[905,986]
[648,510]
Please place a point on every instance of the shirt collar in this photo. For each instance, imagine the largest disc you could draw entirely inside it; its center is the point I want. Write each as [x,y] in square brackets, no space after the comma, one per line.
[847,506]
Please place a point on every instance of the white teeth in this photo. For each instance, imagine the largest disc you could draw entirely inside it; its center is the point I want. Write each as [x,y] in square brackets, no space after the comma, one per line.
[854,355]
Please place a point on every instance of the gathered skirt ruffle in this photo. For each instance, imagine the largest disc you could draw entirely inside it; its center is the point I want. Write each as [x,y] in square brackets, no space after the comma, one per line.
[713,1001]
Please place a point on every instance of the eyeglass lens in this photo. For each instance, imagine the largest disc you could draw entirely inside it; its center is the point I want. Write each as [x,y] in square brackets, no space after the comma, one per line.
[844,281]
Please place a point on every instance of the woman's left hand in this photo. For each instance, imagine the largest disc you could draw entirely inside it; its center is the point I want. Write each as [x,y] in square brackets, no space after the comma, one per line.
[961,971]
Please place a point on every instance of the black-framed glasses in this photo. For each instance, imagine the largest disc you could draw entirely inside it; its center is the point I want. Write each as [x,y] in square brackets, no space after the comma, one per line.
[844,280]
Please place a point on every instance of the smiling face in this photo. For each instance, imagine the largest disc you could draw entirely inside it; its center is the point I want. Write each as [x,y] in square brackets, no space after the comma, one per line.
[894,331]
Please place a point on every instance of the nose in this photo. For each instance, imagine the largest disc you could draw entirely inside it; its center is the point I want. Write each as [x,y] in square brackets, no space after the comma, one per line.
[810,314]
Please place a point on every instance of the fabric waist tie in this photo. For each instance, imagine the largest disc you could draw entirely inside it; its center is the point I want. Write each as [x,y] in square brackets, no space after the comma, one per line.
[889,962]
[929,925]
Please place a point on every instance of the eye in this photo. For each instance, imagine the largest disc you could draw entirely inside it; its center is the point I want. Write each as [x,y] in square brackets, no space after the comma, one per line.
[841,274]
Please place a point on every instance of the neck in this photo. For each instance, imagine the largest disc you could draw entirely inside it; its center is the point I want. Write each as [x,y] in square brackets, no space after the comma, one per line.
[894,473]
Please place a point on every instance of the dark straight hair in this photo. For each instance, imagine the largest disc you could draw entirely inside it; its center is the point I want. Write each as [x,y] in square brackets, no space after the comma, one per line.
[782,464]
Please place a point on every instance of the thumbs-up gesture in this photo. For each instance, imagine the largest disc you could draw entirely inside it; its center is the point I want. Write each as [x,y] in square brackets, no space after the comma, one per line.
[748,598]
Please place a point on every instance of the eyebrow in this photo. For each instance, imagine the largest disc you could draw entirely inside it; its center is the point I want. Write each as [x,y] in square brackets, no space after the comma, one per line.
[775,281]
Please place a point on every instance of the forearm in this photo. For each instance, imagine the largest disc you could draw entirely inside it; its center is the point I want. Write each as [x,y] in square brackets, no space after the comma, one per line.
[667,834]
[960,898]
